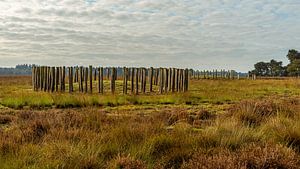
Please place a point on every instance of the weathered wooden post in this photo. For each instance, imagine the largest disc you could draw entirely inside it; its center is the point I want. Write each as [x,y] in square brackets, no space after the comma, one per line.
[56,79]
[33,77]
[100,80]
[186,80]
[52,79]
[48,79]
[36,73]
[151,79]
[132,80]
[170,79]
[137,81]
[141,80]
[76,74]
[125,72]
[64,78]
[173,79]
[80,79]
[113,80]
[180,80]
[86,75]
[166,75]
[41,78]
[38,77]
[45,78]
[145,79]
[177,80]
[161,80]
[95,74]
[71,80]
[157,76]
[91,78]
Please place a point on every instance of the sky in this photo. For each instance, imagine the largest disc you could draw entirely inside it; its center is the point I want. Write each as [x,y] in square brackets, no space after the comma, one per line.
[199,34]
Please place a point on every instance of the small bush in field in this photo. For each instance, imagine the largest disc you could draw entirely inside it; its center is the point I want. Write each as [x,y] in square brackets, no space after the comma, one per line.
[6,119]
[253,156]
[253,113]
[35,130]
[159,145]
[126,162]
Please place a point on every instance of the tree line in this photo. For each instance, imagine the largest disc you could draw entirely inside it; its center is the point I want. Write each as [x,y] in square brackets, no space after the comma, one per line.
[276,68]
[23,69]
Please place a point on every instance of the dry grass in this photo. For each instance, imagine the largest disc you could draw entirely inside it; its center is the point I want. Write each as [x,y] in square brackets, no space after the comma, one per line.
[218,124]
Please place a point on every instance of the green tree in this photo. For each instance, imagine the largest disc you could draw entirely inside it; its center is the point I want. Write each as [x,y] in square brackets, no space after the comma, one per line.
[261,69]
[293,68]
[293,55]
[275,68]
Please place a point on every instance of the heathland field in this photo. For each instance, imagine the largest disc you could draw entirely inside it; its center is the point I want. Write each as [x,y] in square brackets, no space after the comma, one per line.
[216,124]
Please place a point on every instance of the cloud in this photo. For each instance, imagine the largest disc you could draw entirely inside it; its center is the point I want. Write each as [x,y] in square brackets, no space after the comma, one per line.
[227,34]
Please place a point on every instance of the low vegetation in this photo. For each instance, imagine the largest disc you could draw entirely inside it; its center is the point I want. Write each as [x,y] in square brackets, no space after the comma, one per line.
[217,124]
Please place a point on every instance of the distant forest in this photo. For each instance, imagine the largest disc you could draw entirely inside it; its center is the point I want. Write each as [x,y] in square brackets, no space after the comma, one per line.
[275,68]
[23,69]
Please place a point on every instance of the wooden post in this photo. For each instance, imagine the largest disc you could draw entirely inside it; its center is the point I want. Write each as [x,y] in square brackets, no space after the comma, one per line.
[56,79]
[64,78]
[33,77]
[100,80]
[157,76]
[137,81]
[144,80]
[186,80]
[141,79]
[91,78]
[86,75]
[48,79]
[151,79]
[166,76]
[95,74]
[45,79]
[173,79]
[80,79]
[161,80]
[125,72]
[52,79]
[41,78]
[36,80]
[70,79]
[181,80]
[113,80]
[132,80]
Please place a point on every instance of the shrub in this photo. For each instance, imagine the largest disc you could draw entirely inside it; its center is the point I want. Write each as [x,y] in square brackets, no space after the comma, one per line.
[253,113]
[126,162]
[252,156]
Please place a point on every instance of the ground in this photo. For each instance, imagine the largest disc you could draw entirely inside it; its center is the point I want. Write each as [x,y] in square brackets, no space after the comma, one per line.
[217,124]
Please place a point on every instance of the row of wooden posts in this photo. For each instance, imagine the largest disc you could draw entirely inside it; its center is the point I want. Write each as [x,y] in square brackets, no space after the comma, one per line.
[214,74]
[54,79]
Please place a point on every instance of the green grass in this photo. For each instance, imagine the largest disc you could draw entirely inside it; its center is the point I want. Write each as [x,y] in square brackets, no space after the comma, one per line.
[203,91]
[218,123]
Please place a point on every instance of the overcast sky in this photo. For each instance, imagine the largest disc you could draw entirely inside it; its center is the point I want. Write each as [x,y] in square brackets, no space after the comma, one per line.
[202,34]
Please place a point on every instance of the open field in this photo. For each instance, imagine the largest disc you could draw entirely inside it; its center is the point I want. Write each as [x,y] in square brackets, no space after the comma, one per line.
[217,124]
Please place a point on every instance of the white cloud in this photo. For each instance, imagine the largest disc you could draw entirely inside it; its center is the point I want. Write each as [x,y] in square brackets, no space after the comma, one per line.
[230,34]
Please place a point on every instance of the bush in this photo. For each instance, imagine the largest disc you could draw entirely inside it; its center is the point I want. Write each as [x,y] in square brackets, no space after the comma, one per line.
[126,162]
[252,156]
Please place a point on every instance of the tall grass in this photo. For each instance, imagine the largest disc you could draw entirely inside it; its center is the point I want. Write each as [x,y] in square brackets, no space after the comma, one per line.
[218,124]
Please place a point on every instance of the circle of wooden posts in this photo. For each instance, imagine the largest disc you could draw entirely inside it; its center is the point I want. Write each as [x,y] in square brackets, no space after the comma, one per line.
[55,79]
